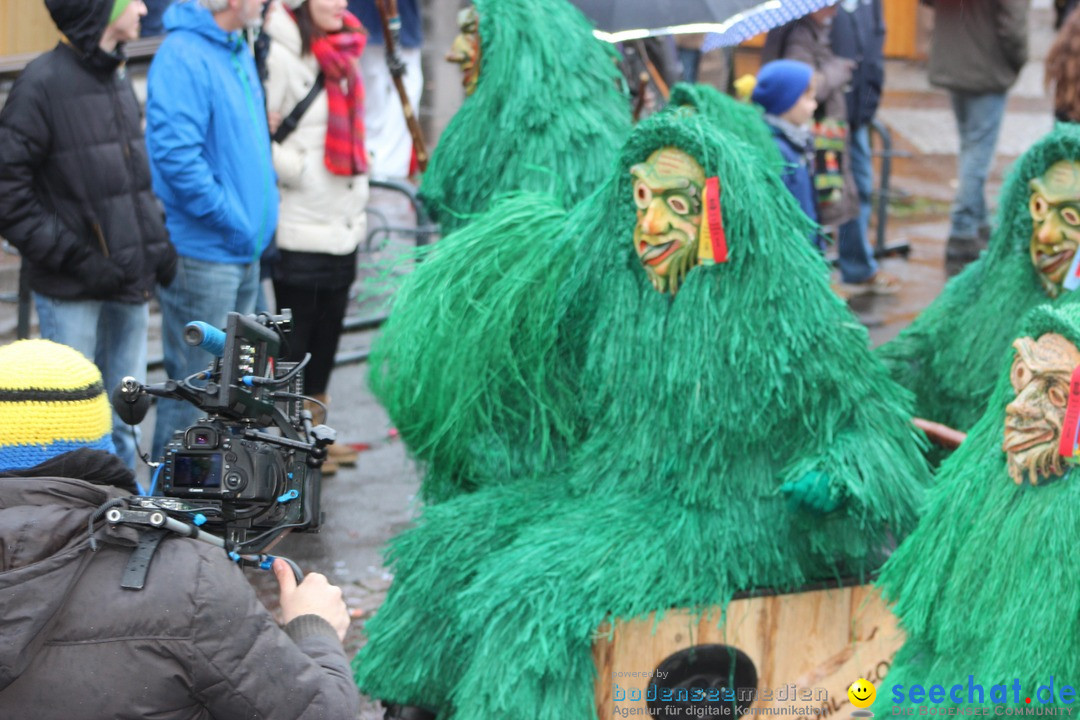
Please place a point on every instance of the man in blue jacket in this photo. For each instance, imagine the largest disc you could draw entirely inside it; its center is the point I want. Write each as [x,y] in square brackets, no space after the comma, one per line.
[210,156]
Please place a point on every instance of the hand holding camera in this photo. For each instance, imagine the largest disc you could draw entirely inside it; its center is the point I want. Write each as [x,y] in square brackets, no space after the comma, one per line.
[314,596]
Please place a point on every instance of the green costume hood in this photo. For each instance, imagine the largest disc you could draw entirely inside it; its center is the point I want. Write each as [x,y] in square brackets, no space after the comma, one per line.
[948,355]
[547,114]
[986,586]
[738,118]
[469,366]
[691,418]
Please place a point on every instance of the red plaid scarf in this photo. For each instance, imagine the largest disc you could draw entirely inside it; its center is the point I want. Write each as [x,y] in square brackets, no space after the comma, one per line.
[338,55]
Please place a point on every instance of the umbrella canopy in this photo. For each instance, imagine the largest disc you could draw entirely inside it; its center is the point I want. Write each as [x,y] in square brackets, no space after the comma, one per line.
[767,16]
[621,20]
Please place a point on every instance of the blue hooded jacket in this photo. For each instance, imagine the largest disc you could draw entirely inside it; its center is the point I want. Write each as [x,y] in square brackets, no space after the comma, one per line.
[208,140]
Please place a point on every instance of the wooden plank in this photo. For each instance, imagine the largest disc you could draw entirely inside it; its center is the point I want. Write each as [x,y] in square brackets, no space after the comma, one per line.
[25,27]
[820,641]
[901,28]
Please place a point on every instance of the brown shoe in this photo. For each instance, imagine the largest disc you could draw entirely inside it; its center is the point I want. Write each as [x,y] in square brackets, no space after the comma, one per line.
[342,454]
[881,284]
[840,291]
[329,466]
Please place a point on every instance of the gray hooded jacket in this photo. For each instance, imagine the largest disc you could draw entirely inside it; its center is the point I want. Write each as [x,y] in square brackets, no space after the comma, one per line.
[195,643]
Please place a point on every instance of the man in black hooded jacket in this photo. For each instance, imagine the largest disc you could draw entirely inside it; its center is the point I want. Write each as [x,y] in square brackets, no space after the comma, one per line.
[75,194]
[192,643]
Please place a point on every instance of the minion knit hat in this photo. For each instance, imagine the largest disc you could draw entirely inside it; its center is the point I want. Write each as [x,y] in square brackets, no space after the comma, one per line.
[52,401]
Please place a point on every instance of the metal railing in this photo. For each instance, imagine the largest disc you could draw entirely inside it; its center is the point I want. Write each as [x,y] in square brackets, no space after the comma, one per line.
[884,193]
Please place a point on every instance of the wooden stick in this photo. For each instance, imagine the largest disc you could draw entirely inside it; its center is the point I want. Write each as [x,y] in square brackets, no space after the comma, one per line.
[388,9]
[943,435]
[657,78]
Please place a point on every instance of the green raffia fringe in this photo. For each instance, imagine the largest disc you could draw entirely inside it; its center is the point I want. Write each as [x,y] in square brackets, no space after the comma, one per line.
[547,114]
[987,584]
[688,413]
[467,366]
[948,355]
[738,118]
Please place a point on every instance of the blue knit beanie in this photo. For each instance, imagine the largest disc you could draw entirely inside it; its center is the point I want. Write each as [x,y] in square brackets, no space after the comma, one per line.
[51,401]
[780,83]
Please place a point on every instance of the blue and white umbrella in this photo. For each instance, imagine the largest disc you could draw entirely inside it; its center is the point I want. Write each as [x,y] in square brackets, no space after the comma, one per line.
[728,22]
[762,18]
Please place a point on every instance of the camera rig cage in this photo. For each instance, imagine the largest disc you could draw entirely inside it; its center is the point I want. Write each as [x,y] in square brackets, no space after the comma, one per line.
[250,470]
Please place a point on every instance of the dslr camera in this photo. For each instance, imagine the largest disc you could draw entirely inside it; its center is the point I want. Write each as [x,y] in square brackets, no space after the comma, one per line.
[250,470]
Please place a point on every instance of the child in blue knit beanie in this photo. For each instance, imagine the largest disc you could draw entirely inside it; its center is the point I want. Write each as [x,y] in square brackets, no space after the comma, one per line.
[785,91]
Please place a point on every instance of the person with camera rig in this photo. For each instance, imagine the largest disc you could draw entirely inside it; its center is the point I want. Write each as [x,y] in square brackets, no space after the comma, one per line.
[108,621]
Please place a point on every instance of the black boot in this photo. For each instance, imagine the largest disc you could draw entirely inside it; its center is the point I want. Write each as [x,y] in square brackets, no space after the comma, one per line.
[406,712]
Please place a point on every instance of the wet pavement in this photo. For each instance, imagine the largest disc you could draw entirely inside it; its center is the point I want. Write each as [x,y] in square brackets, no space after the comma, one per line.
[370,503]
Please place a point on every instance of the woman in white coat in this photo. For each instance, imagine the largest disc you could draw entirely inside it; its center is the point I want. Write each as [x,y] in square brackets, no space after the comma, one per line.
[322,173]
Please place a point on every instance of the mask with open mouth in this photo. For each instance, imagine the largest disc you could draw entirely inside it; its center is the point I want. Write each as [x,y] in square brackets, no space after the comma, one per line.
[1055,215]
[668,189]
[465,50]
[1033,420]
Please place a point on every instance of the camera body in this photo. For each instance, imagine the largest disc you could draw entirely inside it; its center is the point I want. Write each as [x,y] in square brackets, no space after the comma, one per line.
[249,470]
[207,461]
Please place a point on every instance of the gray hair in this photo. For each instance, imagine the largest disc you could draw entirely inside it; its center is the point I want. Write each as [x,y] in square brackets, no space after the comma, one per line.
[215,6]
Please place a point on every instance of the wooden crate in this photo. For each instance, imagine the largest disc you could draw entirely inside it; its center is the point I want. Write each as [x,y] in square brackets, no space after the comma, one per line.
[819,640]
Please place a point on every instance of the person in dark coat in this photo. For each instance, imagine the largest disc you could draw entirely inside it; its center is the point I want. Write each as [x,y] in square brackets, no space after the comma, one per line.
[1062,10]
[858,34]
[808,39]
[75,195]
[976,52]
[193,643]
[1063,70]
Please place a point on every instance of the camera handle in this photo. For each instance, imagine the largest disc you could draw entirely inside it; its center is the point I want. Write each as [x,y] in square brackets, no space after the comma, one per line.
[161,519]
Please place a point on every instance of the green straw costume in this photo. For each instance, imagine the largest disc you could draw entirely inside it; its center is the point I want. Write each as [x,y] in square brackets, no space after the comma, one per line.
[948,356]
[984,587]
[735,435]
[468,365]
[547,115]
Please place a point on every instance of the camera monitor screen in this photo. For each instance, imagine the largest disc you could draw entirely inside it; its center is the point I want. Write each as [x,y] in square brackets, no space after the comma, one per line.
[197,471]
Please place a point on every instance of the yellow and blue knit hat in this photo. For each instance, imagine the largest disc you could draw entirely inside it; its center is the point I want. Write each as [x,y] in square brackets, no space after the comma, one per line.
[52,401]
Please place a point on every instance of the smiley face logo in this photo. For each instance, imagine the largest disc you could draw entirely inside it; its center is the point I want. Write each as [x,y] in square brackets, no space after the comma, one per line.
[862,693]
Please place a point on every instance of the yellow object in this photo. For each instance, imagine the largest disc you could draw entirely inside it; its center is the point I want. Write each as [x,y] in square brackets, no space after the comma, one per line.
[50,393]
[744,86]
[862,693]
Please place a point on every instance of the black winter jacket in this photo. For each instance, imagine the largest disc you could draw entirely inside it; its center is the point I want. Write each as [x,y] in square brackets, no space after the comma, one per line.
[859,34]
[75,195]
[193,644]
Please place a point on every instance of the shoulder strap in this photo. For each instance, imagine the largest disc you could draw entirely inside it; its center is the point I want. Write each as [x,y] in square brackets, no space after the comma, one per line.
[139,562]
[289,123]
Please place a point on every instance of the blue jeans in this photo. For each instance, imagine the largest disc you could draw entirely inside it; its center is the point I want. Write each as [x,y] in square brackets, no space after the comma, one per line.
[691,60]
[978,118]
[205,291]
[113,335]
[857,263]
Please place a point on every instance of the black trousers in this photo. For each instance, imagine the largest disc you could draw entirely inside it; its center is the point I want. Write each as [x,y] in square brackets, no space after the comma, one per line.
[317,314]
